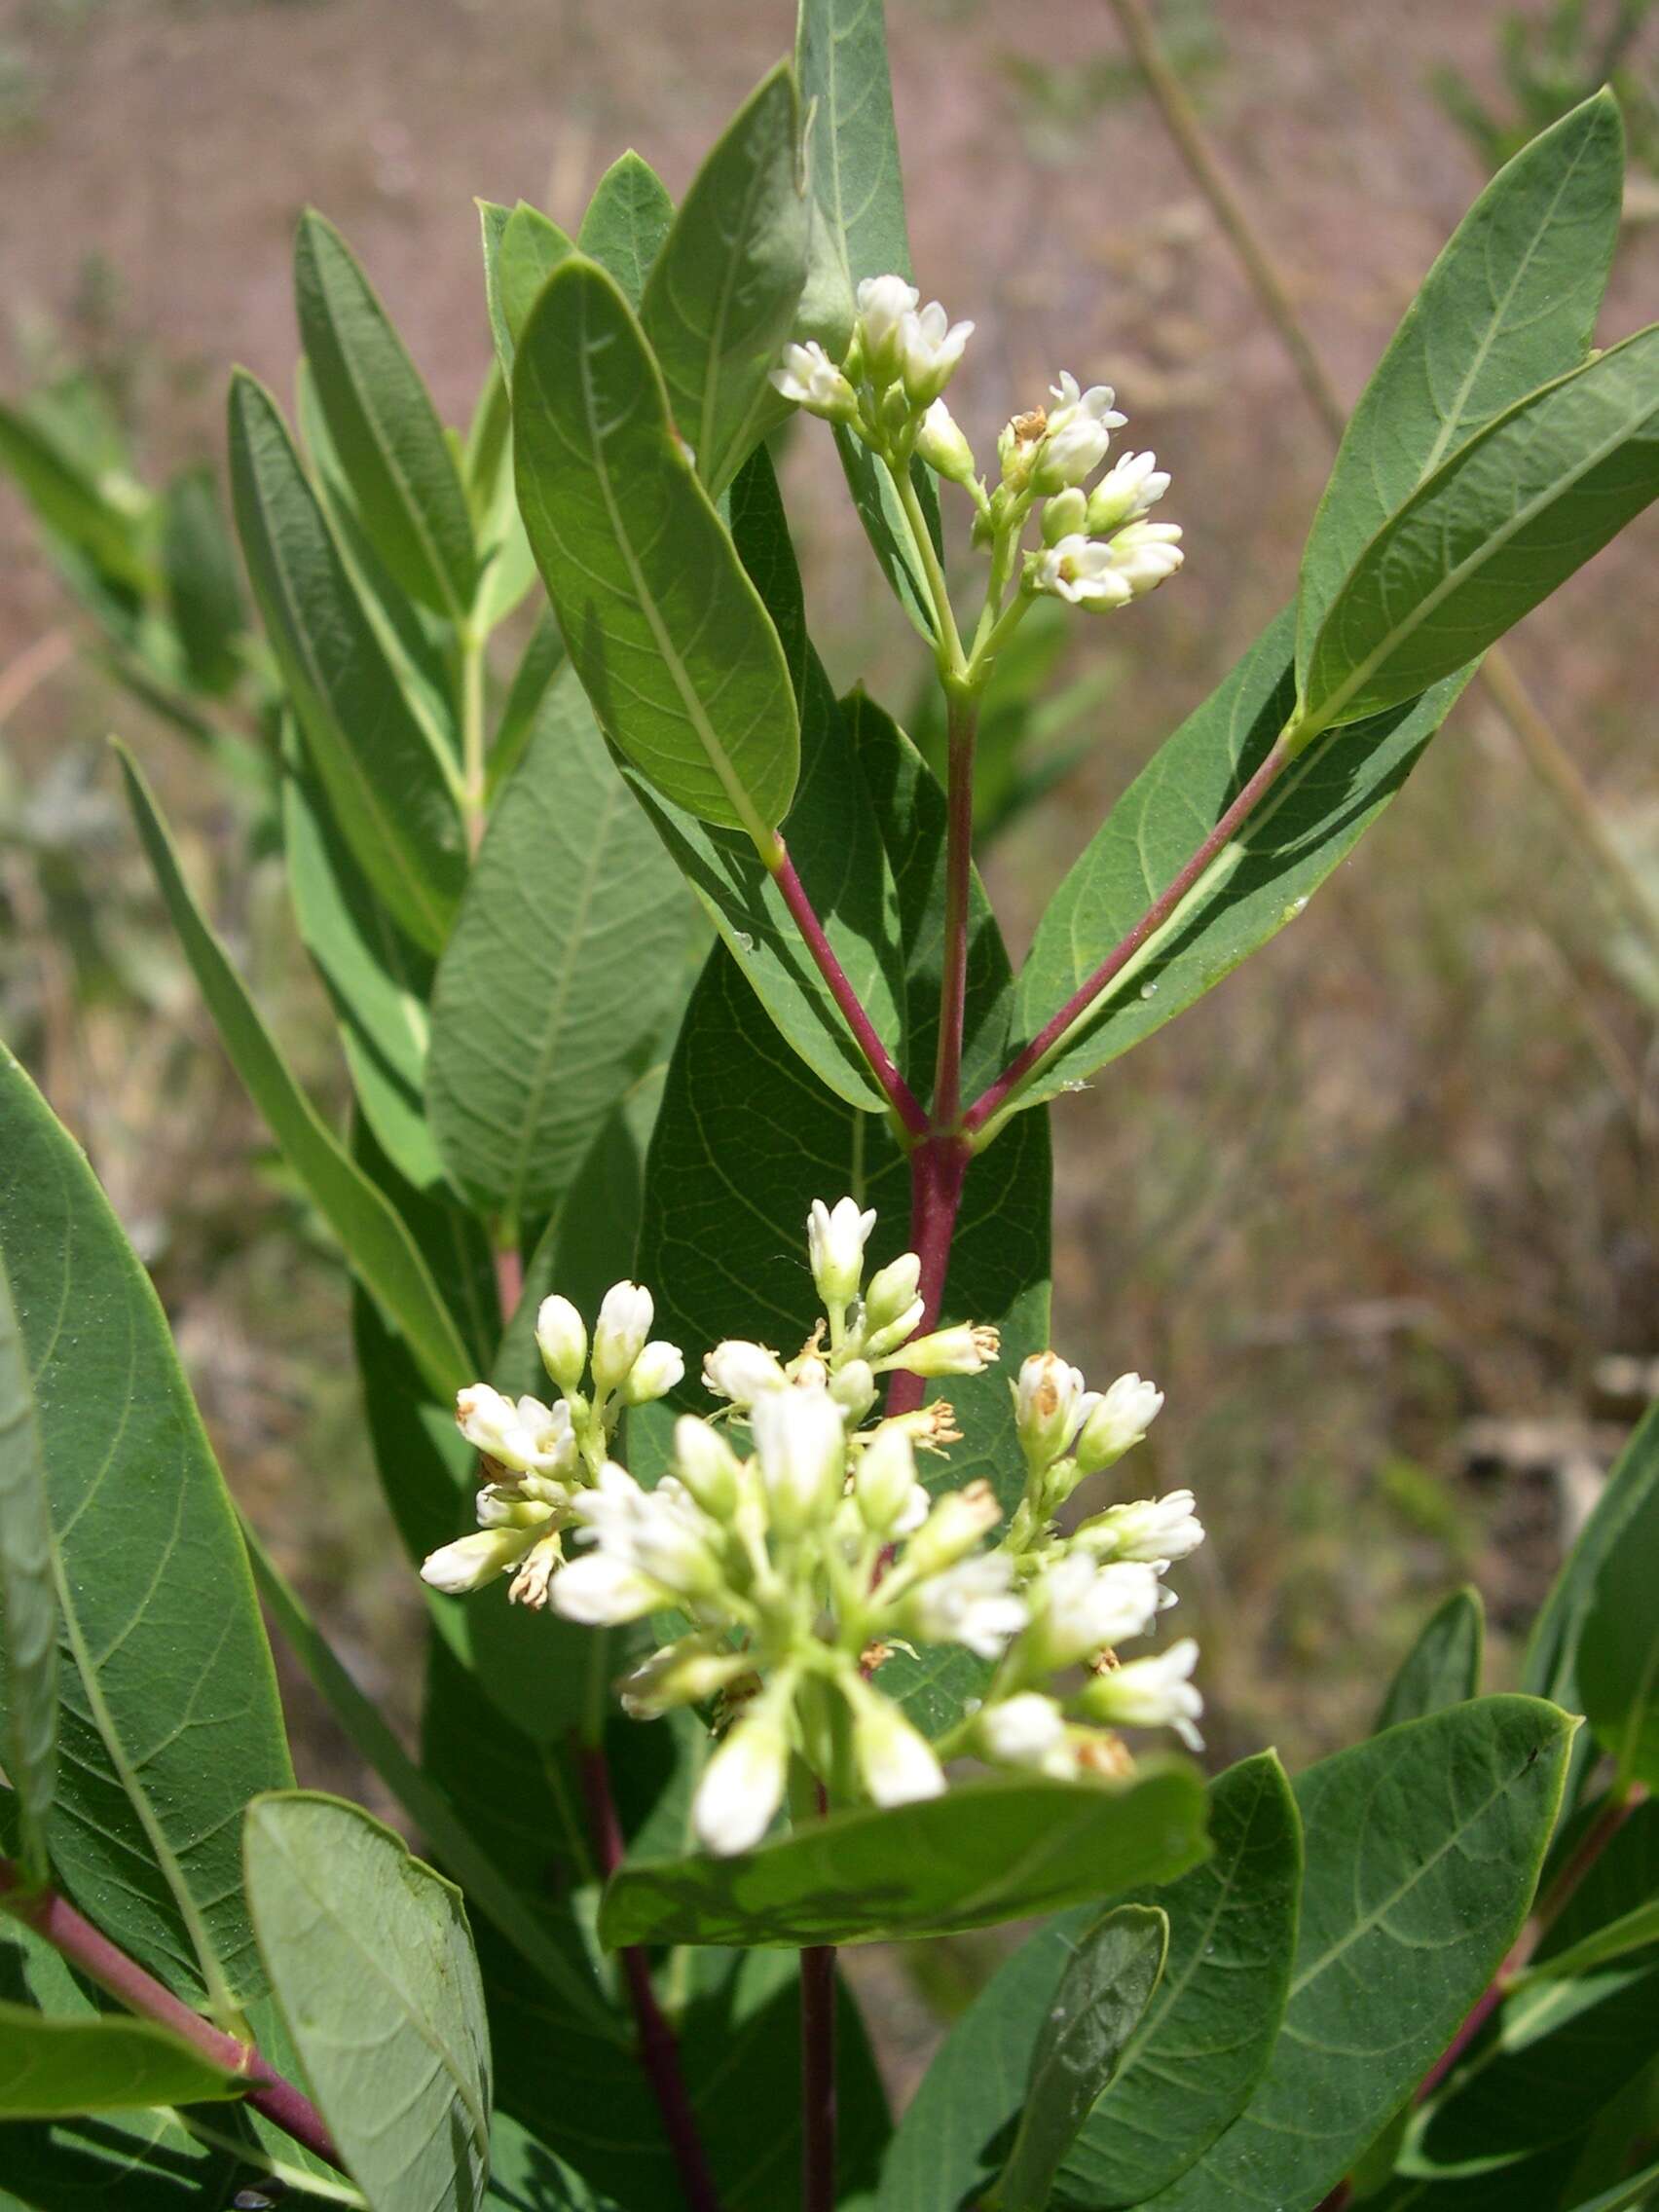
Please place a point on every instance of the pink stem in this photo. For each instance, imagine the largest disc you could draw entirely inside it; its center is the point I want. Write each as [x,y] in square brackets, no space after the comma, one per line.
[1155,917]
[54,1919]
[509,1279]
[938,1166]
[899,1095]
[958,880]
[659,2053]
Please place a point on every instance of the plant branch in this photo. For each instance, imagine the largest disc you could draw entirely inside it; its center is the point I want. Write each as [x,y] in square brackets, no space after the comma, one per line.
[659,2052]
[952,659]
[938,1166]
[1282,752]
[880,1061]
[1548,756]
[964,716]
[57,1921]
[818,2077]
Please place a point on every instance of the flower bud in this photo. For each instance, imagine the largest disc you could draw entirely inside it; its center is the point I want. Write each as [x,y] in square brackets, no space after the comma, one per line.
[883,304]
[689,1672]
[742,1372]
[1027,1730]
[529,1437]
[1045,1402]
[972,1603]
[657,1371]
[472,1560]
[1065,515]
[892,1292]
[884,1479]
[853,1388]
[930,348]
[836,1240]
[803,1446]
[706,1466]
[743,1783]
[560,1337]
[1131,486]
[619,1336]
[942,445]
[1147,554]
[957,1522]
[1120,1419]
[603,1590]
[1078,434]
[966,1350]
[895,1762]
[1155,1529]
[1079,1609]
[807,376]
[1150,1693]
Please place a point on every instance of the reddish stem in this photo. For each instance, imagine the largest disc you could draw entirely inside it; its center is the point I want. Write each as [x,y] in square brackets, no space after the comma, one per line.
[659,2053]
[509,1279]
[54,1919]
[818,2077]
[958,881]
[899,1095]
[938,1166]
[1118,958]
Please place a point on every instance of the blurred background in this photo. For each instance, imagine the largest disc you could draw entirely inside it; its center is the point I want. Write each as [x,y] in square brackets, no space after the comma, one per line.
[1381,1213]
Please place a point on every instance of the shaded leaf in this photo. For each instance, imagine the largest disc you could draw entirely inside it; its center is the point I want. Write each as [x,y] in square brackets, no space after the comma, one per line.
[532,247]
[373,1969]
[540,662]
[384,426]
[28,1603]
[1618,1644]
[376,1241]
[167,1720]
[989,1851]
[204,590]
[665,630]
[1443,1667]
[852,159]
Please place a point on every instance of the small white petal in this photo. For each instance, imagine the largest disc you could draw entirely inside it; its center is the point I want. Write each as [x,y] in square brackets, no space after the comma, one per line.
[472,1560]
[742,1786]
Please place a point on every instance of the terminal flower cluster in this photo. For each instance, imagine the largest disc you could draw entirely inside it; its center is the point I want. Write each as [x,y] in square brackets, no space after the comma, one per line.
[796,1538]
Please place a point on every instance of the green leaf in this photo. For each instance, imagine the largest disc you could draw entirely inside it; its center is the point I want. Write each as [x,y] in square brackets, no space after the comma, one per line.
[492,220]
[1632,1931]
[167,1720]
[1443,1667]
[28,1603]
[1310,821]
[374,1973]
[542,658]
[627,220]
[54,2069]
[1552,1665]
[1195,2059]
[1626,2196]
[390,791]
[1619,1646]
[1422,1851]
[565,958]
[1103,1993]
[666,632]
[378,982]
[852,159]
[204,591]
[720,300]
[377,1244]
[384,426]
[1510,304]
[532,247]
[833,840]
[990,1851]
[72,505]
[1497,527]
[888,528]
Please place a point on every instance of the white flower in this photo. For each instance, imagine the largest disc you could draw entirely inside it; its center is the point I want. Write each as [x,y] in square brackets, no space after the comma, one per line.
[560,1337]
[895,1762]
[472,1560]
[836,1240]
[742,1786]
[1117,1422]
[930,346]
[657,1371]
[1151,1693]
[659,1534]
[853,1388]
[529,1437]
[1130,489]
[602,1591]
[1078,431]
[884,1481]
[1155,1529]
[957,1522]
[619,1334]
[972,1603]
[916,1508]
[1047,1400]
[942,445]
[686,1672]
[892,1292]
[883,304]
[803,1446]
[1081,1608]
[806,375]
[960,1351]
[742,1372]
[1027,1730]
[1147,554]
[707,1465]
[1081,569]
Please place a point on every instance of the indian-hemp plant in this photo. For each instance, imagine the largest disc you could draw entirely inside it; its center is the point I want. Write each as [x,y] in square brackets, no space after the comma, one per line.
[677,1022]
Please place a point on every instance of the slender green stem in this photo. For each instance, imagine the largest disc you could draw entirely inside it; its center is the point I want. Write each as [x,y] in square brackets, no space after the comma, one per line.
[952,661]
[964,718]
[472,735]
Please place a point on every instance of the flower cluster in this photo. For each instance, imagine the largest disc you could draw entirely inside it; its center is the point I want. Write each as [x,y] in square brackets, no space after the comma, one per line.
[1098,551]
[797,1539]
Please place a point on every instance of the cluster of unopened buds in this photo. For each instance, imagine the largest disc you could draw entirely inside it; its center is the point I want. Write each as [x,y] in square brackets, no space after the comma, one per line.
[1098,548]
[795,1536]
